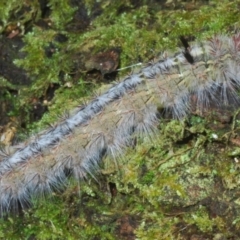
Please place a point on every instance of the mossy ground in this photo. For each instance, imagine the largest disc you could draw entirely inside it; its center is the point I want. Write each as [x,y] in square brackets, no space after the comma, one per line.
[181,185]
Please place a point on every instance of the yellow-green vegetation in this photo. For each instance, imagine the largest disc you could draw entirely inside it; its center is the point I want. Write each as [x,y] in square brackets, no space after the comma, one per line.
[181,183]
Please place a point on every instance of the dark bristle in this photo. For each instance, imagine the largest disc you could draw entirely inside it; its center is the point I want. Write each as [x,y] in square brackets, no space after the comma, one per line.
[186,52]
[188,57]
[184,42]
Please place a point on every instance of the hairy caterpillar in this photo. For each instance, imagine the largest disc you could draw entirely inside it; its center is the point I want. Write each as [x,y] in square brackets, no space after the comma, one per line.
[129,108]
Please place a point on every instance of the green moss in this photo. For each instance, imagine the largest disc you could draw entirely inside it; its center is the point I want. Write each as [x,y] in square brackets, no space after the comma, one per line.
[201,219]
[18,13]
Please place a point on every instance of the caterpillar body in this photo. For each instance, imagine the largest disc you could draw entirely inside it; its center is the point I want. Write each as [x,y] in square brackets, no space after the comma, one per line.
[107,124]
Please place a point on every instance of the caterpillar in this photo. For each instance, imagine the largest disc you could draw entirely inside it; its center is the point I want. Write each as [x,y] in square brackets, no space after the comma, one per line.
[178,83]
